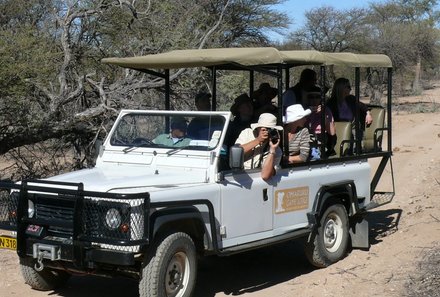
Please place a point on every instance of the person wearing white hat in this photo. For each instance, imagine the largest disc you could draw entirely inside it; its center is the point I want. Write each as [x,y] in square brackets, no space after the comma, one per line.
[260,143]
[297,134]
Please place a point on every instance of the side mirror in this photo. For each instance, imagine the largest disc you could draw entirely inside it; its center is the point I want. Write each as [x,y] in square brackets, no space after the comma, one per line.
[236,157]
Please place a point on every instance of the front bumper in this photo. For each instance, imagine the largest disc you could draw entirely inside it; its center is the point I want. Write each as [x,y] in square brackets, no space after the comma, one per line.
[74,224]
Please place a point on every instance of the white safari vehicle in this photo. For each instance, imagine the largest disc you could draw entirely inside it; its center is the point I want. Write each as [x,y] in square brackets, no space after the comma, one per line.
[149,211]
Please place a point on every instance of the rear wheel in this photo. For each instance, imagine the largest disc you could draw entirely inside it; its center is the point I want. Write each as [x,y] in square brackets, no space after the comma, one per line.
[171,271]
[328,243]
[45,280]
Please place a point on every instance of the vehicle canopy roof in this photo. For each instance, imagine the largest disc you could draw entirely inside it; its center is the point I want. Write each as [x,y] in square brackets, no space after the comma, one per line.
[255,56]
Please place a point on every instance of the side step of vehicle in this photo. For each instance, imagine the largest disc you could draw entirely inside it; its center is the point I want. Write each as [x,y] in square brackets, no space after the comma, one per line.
[379,199]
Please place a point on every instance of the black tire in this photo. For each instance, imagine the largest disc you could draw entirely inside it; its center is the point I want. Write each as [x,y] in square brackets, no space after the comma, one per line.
[45,280]
[171,271]
[329,242]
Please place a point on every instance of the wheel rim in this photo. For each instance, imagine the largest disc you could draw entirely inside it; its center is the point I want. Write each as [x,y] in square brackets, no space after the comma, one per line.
[177,275]
[333,232]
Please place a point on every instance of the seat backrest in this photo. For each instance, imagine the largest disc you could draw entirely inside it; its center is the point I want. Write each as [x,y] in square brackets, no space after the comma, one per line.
[343,132]
[368,143]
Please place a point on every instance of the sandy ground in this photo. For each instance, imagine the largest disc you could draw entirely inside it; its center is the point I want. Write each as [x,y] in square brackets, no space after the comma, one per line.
[404,235]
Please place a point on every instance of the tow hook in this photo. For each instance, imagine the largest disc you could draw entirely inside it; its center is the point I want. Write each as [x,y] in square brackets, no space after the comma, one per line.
[39,266]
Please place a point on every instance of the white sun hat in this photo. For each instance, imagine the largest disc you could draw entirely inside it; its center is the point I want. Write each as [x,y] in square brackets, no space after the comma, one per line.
[266,120]
[294,113]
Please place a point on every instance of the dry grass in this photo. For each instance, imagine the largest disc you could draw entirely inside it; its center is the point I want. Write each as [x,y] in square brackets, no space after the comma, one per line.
[427,280]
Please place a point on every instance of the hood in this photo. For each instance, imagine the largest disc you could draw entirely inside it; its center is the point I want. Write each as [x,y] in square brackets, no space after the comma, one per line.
[129,177]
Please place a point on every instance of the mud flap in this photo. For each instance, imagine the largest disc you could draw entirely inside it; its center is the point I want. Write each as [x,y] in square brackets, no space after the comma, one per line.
[359,233]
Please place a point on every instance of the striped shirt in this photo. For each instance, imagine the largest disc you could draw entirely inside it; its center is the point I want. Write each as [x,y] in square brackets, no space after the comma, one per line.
[300,144]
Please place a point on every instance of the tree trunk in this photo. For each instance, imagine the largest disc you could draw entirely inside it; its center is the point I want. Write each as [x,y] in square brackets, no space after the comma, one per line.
[417,75]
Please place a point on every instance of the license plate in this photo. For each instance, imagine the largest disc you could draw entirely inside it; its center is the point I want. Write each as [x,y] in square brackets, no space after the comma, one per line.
[7,242]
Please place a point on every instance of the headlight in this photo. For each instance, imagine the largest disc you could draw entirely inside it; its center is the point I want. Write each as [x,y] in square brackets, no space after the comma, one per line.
[113,219]
[31,209]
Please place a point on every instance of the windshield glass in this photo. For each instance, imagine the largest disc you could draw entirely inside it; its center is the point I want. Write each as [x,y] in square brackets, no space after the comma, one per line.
[201,132]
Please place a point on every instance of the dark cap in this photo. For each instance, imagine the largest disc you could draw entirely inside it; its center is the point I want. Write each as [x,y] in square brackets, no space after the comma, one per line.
[265,88]
[243,98]
[179,123]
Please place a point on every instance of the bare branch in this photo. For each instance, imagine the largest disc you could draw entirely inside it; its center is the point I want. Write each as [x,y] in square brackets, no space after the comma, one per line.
[202,43]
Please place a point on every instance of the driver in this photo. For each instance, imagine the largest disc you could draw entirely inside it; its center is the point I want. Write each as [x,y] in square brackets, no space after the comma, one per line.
[177,136]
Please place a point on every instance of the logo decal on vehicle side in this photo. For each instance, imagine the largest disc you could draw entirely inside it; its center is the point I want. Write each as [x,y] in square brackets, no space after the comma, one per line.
[291,199]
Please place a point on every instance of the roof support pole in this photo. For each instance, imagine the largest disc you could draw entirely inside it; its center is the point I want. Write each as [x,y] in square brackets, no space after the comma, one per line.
[167,90]
[287,77]
[251,82]
[280,94]
[357,79]
[284,137]
[389,102]
[323,125]
[214,88]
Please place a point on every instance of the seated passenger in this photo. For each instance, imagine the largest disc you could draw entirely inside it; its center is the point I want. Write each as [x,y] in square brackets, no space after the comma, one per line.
[242,110]
[202,127]
[314,121]
[343,106]
[262,100]
[261,150]
[295,94]
[176,137]
[297,134]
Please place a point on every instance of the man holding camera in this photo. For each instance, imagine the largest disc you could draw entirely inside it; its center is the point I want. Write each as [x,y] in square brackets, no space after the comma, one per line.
[260,143]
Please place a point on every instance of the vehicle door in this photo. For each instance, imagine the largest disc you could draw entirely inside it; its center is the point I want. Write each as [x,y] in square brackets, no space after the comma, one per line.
[246,207]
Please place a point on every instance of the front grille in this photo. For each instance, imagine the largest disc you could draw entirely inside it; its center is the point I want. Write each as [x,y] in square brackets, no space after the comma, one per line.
[53,212]
[57,211]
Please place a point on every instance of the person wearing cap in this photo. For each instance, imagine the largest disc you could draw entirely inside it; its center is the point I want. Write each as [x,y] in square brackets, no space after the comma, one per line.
[200,127]
[242,110]
[295,94]
[313,99]
[202,101]
[260,151]
[262,100]
[176,137]
[297,134]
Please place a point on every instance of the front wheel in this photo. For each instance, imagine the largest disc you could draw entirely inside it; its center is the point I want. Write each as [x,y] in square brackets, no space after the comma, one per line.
[171,271]
[45,280]
[328,243]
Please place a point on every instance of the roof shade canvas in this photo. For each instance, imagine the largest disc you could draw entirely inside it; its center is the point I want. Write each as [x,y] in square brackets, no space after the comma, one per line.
[358,60]
[258,56]
[201,58]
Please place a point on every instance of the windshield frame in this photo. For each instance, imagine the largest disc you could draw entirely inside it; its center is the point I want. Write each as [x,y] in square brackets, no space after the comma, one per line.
[198,145]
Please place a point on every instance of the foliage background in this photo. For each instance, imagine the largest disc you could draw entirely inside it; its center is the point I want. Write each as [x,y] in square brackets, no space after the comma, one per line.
[57,99]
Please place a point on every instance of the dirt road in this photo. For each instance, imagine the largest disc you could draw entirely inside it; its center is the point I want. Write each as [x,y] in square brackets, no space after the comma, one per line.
[403,234]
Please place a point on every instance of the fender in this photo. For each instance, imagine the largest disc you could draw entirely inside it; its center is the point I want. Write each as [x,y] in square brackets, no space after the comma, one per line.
[185,218]
[347,191]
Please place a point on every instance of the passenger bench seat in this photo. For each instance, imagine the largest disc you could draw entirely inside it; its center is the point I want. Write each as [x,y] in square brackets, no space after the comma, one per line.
[343,133]
[369,144]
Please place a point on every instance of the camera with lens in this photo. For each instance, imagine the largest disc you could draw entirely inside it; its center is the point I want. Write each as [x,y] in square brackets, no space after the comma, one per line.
[273,135]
